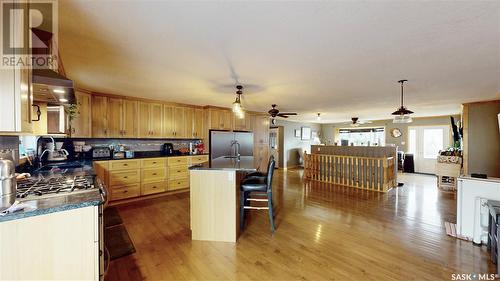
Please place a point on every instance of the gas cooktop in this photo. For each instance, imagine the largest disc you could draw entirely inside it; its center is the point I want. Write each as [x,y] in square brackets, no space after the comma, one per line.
[53,185]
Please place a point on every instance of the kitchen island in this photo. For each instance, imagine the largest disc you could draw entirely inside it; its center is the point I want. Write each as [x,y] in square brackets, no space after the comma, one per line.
[214,197]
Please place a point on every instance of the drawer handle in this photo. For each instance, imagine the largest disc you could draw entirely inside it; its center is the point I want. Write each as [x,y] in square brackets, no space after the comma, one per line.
[178,171]
[154,174]
[154,162]
[125,191]
[125,177]
[125,164]
[154,186]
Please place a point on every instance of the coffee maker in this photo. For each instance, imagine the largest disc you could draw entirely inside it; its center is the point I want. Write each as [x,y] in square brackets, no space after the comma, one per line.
[167,149]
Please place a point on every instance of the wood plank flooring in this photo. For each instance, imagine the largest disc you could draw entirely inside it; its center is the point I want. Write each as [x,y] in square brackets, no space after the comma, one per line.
[324,232]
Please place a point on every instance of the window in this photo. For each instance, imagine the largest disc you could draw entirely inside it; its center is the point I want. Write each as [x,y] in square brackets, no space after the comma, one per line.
[362,136]
[433,142]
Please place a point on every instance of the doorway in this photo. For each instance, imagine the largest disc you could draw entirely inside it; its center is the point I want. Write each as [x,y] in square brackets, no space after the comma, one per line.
[425,142]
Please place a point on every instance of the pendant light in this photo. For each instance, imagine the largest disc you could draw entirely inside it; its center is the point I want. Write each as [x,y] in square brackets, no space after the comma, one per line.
[318,118]
[237,108]
[402,115]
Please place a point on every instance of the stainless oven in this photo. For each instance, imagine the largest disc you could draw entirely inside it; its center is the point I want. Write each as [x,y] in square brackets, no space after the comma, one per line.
[104,257]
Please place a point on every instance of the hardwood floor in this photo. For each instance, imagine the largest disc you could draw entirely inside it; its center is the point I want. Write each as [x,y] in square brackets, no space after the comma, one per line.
[324,232]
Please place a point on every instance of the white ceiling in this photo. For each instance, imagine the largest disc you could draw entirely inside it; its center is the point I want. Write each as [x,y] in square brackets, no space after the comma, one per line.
[342,59]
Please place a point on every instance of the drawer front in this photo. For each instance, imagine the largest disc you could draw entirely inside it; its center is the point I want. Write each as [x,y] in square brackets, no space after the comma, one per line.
[116,165]
[126,191]
[153,187]
[154,174]
[178,161]
[154,163]
[124,177]
[178,184]
[178,172]
[199,159]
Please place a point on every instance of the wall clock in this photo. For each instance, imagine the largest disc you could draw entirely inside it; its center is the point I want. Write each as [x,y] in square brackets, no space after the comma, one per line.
[396,133]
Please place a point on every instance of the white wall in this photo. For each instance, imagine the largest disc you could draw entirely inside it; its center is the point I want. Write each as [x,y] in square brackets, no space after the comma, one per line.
[293,145]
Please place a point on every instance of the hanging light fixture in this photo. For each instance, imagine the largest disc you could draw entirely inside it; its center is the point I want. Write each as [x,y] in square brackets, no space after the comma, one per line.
[319,117]
[237,108]
[402,115]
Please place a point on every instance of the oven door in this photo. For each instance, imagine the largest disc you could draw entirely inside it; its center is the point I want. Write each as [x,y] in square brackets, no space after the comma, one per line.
[104,258]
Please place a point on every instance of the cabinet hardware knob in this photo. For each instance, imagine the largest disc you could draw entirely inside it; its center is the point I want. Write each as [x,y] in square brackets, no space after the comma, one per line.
[125,164]
[125,177]
[154,174]
[125,191]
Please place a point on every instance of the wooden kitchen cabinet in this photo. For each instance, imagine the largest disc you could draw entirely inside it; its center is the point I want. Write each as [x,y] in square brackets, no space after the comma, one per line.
[242,124]
[174,125]
[220,119]
[188,122]
[122,118]
[198,123]
[99,116]
[150,120]
[81,124]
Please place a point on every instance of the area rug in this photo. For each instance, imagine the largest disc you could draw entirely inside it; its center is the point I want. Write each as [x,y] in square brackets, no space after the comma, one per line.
[112,217]
[118,242]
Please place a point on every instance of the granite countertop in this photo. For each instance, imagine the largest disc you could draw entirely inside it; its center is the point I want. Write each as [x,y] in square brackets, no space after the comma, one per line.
[148,154]
[246,163]
[60,202]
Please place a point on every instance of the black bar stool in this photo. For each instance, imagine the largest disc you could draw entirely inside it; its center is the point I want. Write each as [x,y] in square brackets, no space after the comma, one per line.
[258,189]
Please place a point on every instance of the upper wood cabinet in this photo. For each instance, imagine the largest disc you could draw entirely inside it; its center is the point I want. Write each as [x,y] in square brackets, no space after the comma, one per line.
[198,123]
[174,121]
[99,116]
[242,124]
[220,119]
[81,124]
[150,120]
[260,124]
[122,118]
[188,122]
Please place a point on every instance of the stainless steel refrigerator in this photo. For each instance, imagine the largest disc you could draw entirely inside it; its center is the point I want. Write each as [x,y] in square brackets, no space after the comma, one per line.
[230,144]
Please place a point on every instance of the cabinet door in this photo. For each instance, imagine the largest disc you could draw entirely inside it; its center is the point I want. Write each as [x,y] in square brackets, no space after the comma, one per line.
[8,113]
[155,120]
[26,100]
[115,113]
[179,122]
[242,124]
[188,122]
[129,119]
[198,123]
[144,120]
[80,126]
[168,121]
[214,119]
[226,117]
[99,116]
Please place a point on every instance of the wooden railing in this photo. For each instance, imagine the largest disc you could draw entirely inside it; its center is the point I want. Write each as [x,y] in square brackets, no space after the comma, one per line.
[371,173]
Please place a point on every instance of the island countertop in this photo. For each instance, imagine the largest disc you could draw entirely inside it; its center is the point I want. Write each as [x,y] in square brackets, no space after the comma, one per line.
[244,163]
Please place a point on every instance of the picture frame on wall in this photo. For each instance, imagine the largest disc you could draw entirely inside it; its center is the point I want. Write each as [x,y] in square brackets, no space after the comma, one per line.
[297,133]
[305,133]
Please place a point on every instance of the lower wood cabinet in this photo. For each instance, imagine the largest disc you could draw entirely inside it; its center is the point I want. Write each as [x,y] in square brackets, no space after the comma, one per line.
[131,178]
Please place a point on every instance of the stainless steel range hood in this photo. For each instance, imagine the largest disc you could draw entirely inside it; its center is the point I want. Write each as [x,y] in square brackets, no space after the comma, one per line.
[52,88]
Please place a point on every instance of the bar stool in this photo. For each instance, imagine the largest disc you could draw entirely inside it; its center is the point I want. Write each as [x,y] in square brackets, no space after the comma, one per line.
[262,190]
[259,175]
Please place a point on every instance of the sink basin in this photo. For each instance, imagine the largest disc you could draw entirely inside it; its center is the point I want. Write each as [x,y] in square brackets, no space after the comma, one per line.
[60,166]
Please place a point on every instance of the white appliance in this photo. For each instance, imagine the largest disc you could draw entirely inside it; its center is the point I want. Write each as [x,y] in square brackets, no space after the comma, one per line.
[472,212]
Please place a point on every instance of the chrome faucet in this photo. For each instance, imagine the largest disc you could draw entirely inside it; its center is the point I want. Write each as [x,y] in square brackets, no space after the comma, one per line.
[237,148]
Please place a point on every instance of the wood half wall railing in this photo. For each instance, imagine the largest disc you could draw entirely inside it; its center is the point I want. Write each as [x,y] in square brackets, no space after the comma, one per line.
[370,173]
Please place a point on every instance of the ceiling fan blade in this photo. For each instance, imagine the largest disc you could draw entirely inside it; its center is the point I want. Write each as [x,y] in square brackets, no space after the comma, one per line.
[288,113]
[280,115]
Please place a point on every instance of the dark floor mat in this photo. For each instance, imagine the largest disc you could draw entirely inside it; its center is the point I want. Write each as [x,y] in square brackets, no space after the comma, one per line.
[112,217]
[118,242]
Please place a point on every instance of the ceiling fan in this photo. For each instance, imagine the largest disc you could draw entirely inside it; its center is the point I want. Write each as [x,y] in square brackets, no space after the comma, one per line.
[355,122]
[274,112]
